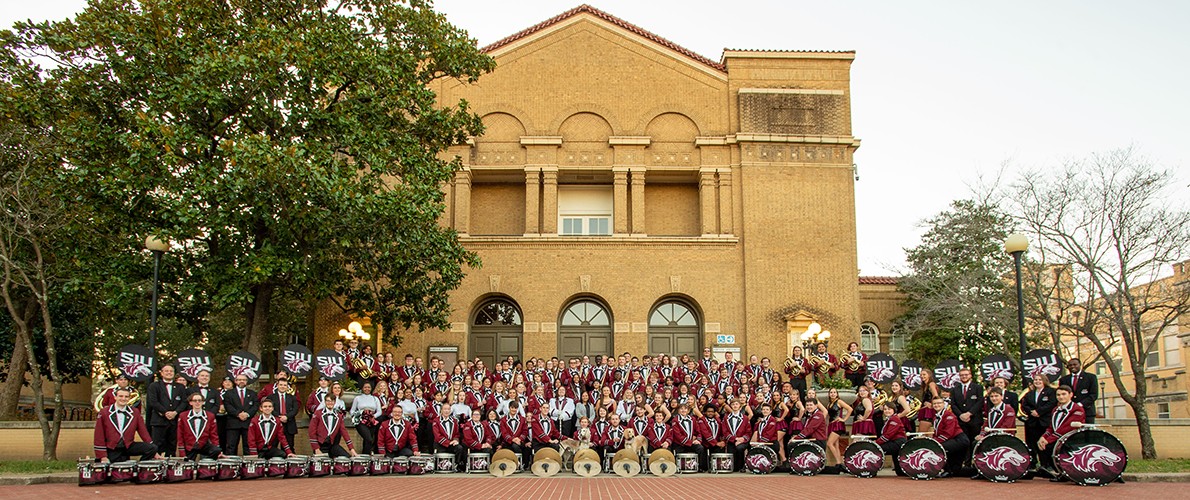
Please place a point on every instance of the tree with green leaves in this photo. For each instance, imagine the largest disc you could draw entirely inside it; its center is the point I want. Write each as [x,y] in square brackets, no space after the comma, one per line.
[283,146]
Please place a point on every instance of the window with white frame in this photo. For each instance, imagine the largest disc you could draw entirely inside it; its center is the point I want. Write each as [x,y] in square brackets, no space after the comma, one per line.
[1119,409]
[869,338]
[1173,350]
[896,344]
[1162,410]
[585,210]
[1153,359]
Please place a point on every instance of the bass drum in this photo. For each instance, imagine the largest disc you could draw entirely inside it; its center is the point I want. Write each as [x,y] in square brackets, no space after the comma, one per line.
[1001,458]
[922,458]
[760,459]
[863,459]
[1090,457]
[806,458]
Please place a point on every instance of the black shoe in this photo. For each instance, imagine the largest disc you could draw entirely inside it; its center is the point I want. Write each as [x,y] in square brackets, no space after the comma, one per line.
[944,475]
[1059,479]
[976,477]
[1120,479]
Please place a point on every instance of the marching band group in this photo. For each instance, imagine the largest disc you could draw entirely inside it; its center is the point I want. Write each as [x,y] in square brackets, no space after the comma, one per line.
[681,404]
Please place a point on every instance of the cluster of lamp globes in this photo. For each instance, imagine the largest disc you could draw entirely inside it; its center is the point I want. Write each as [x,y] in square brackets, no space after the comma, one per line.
[814,333]
[355,331]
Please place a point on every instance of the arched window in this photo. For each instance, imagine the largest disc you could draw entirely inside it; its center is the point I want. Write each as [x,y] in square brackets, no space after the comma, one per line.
[675,329]
[869,338]
[585,313]
[585,329]
[496,331]
[498,312]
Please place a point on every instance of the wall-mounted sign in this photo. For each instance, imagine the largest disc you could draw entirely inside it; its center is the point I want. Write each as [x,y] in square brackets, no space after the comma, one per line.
[725,339]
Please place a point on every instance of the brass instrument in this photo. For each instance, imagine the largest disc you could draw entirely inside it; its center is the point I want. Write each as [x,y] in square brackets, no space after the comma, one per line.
[823,366]
[133,398]
[914,406]
[365,369]
[879,399]
[794,367]
[851,363]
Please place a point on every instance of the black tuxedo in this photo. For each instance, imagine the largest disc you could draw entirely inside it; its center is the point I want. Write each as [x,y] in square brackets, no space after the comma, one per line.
[1086,391]
[237,430]
[160,398]
[1044,402]
[970,401]
[291,410]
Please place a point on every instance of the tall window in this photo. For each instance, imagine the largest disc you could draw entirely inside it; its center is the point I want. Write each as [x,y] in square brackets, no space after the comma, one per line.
[896,344]
[674,329]
[1173,350]
[869,338]
[1153,360]
[1162,410]
[585,210]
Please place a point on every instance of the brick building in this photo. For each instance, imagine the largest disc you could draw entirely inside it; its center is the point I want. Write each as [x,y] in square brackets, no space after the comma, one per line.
[631,195]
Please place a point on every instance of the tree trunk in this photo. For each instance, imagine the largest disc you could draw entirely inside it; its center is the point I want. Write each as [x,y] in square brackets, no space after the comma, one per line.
[258,317]
[10,389]
[1148,448]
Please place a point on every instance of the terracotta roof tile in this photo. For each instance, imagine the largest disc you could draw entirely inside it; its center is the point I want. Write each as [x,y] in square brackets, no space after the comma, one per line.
[878,280]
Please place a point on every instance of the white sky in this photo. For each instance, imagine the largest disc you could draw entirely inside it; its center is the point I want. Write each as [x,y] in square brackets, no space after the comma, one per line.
[942,91]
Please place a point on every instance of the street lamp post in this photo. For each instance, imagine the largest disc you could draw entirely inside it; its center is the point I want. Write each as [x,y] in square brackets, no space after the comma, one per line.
[158,246]
[1017,244]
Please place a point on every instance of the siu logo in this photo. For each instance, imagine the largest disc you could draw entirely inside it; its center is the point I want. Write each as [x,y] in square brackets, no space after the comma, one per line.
[947,377]
[239,365]
[922,459]
[759,462]
[999,369]
[330,366]
[1045,365]
[1092,459]
[912,376]
[1048,370]
[880,371]
[1002,459]
[192,365]
[296,362]
[808,460]
[863,460]
[135,365]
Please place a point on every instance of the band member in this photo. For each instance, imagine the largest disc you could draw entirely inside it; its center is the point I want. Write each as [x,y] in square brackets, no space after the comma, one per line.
[447,438]
[364,410]
[476,434]
[1000,415]
[892,434]
[609,438]
[711,429]
[687,437]
[1010,397]
[397,436]
[165,400]
[285,407]
[202,387]
[241,404]
[837,412]
[967,403]
[658,433]
[109,394]
[327,431]
[266,438]
[561,408]
[197,433]
[823,363]
[737,431]
[315,400]
[952,438]
[704,364]
[1085,386]
[863,424]
[1067,416]
[816,425]
[116,429]
[857,368]
[797,368]
[514,431]
[929,391]
[544,432]
[269,389]
[1036,407]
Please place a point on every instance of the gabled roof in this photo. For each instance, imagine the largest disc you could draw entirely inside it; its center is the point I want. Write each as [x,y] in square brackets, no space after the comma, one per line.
[587,9]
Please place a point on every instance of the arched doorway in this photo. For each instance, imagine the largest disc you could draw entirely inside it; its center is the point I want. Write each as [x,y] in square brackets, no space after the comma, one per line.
[585,329]
[675,329]
[496,331]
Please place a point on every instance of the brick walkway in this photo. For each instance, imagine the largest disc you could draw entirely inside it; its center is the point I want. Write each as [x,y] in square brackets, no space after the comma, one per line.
[702,486]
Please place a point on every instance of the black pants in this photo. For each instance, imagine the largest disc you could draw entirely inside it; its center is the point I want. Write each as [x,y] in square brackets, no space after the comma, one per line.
[234,437]
[403,452]
[970,430]
[697,449]
[856,379]
[737,454]
[206,450]
[121,454]
[221,427]
[425,433]
[891,449]
[367,437]
[333,449]
[800,385]
[274,452]
[165,437]
[289,438]
[957,450]
[1032,434]
[459,452]
[521,451]
[1090,419]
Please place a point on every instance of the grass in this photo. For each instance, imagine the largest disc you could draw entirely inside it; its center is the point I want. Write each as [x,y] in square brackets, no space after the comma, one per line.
[1160,465]
[36,466]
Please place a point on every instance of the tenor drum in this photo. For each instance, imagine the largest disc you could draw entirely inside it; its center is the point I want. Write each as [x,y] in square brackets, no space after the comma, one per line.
[863,459]
[206,469]
[760,459]
[121,472]
[178,470]
[806,458]
[360,465]
[400,465]
[275,467]
[1090,457]
[662,463]
[922,458]
[722,463]
[444,463]
[687,463]
[320,465]
[420,465]
[626,463]
[227,468]
[1001,458]
[92,472]
[253,468]
[477,463]
[297,466]
[149,472]
[341,466]
[381,465]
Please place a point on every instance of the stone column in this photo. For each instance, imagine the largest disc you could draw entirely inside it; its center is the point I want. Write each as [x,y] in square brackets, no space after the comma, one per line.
[549,201]
[463,201]
[707,197]
[532,201]
[620,201]
[638,201]
[726,211]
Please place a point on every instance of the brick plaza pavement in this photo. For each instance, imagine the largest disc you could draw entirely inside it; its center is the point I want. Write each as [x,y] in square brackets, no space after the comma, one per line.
[700,486]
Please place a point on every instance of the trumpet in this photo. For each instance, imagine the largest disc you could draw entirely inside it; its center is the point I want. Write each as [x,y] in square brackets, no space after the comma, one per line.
[133,398]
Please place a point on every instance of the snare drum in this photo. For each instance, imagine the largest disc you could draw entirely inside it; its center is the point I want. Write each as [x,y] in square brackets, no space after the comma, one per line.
[722,463]
[1090,457]
[687,463]
[381,465]
[297,466]
[121,472]
[206,469]
[400,465]
[340,466]
[1001,458]
[360,466]
[863,458]
[806,458]
[227,468]
[477,463]
[92,472]
[922,458]
[320,465]
[420,465]
[178,470]
[276,467]
[252,468]
[444,463]
[760,459]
